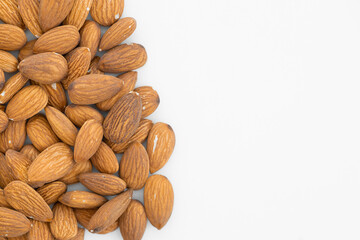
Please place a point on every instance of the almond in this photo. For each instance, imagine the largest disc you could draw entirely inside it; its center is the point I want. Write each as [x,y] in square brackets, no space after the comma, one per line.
[110,212]
[79,114]
[18,164]
[39,231]
[94,66]
[26,103]
[82,199]
[64,224]
[4,121]
[56,95]
[129,79]
[104,160]
[13,223]
[133,222]
[2,106]
[117,33]
[61,125]
[40,133]
[84,215]
[134,166]
[51,164]
[123,118]
[90,35]
[29,11]
[107,12]
[158,200]
[3,202]
[80,234]
[8,63]
[94,88]
[52,191]
[9,13]
[13,137]
[23,237]
[30,151]
[27,49]
[78,13]
[11,87]
[73,176]
[102,183]
[11,37]
[27,201]
[123,58]
[150,100]
[53,12]
[2,80]
[61,40]
[5,172]
[50,67]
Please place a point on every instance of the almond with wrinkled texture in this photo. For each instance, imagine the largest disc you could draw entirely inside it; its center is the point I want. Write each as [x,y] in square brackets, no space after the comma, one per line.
[104,160]
[73,176]
[78,13]
[27,49]
[30,151]
[8,63]
[79,114]
[150,100]
[56,95]
[94,66]
[18,164]
[9,13]
[102,183]
[133,222]
[11,37]
[53,12]
[82,199]
[64,224]
[13,223]
[13,137]
[52,191]
[84,215]
[3,202]
[29,11]
[12,86]
[107,12]
[4,121]
[80,234]
[5,172]
[90,35]
[39,231]
[2,80]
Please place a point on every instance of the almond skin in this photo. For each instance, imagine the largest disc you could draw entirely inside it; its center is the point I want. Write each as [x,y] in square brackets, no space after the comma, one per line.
[78,13]
[9,13]
[39,231]
[104,160]
[8,63]
[133,222]
[158,200]
[80,234]
[150,100]
[64,224]
[90,35]
[4,121]
[13,223]
[13,137]
[11,87]
[117,33]
[79,114]
[123,58]
[6,175]
[102,183]
[123,118]
[2,79]
[11,37]
[56,95]
[18,164]
[52,12]
[27,49]
[50,67]
[73,176]
[30,151]
[94,66]
[82,199]
[94,88]
[27,201]
[107,12]
[84,215]
[3,202]
[52,191]
[61,40]
[29,11]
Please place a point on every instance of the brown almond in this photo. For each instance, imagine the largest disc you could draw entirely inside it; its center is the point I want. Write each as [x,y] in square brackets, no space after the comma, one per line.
[123,58]
[2,79]
[6,176]
[11,37]
[133,222]
[53,12]
[82,199]
[4,121]
[56,95]
[30,151]
[11,87]
[104,160]
[79,114]
[52,191]
[23,237]
[94,66]
[13,137]
[102,183]
[39,231]
[13,223]
[107,12]
[2,107]
[9,13]
[73,176]
[80,234]
[64,224]
[78,13]
[27,49]
[18,164]
[150,100]
[90,35]
[8,63]
[84,215]
[29,11]
[3,202]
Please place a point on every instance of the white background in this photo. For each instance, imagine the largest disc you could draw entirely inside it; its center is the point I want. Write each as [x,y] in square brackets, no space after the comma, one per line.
[264,98]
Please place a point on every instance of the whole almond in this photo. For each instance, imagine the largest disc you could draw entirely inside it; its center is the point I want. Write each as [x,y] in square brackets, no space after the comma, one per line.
[123,58]
[150,100]
[104,160]
[29,11]
[102,183]
[78,13]
[133,222]
[27,49]
[94,88]
[79,114]
[73,176]
[80,234]
[56,95]
[39,231]
[11,87]
[94,66]
[61,125]
[13,223]
[52,191]
[123,118]
[90,35]
[6,176]
[30,151]
[158,200]
[50,67]
[27,201]
[2,79]
[53,12]
[61,40]
[9,13]
[82,199]
[3,202]
[8,63]
[11,37]
[110,212]
[52,164]
[129,79]
[4,121]
[64,224]
[107,12]
[84,215]
[13,137]
[117,33]
[18,164]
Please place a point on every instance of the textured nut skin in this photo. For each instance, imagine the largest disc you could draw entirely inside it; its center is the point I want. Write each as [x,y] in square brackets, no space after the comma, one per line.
[4,121]
[107,12]
[27,49]
[53,12]
[29,11]
[82,199]
[90,35]
[13,223]
[52,191]
[78,13]
[104,160]
[18,164]
[2,80]
[84,215]
[150,100]
[39,231]
[73,176]
[11,87]
[3,202]
[64,224]
[9,13]
[56,95]
[94,66]
[11,37]
[133,222]
[79,114]
[80,234]
[103,183]
[8,63]
[30,151]
[13,137]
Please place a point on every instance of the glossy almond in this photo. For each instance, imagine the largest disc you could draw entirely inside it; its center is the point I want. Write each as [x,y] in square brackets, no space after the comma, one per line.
[29,11]
[90,35]
[8,63]
[11,37]
[84,215]
[30,151]
[94,88]
[52,191]
[40,133]
[123,58]
[64,224]
[11,87]
[107,12]
[27,49]
[53,12]
[9,13]
[150,100]
[94,66]
[39,231]
[18,164]
[13,137]
[82,199]
[4,121]
[73,176]
[123,119]
[50,67]
[102,183]
[27,201]
[104,160]
[78,13]
[133,222]
[13,223]
[56,95]
[79,114]
[3,202]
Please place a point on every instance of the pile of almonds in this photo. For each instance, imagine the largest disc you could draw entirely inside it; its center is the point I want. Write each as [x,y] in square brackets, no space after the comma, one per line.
[107,116]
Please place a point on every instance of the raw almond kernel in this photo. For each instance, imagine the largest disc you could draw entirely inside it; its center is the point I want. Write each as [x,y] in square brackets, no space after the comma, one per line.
[107,12]
[160,145]
[52,12]
[13,137]
[39,231]
[82,199]
[61,40]
[90,35]
[23,237]
[150,100]
[27,201]
[9,13]
[102,183]
[2,80]
[52,191]
[123,118]
[73,176]
[5,172]
[104,160]
[123,58]
[61,125]
[117,33]
[44,68]
[11,37]
[3,202]
[64,224]
[8,63]
[40,133]
[56,95]
[27,49]
[158,200]
[133,222]
[129,79]
[52,164]
[110,212]
[30,151]
[18,164]
[13,223]
[4,121]
[84,215]
[79,13]
[11,87]
[80,234]
[26,103]
[29,11]
[79,114]
[134,166]
[94,66]
[78,62]
[93,88]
